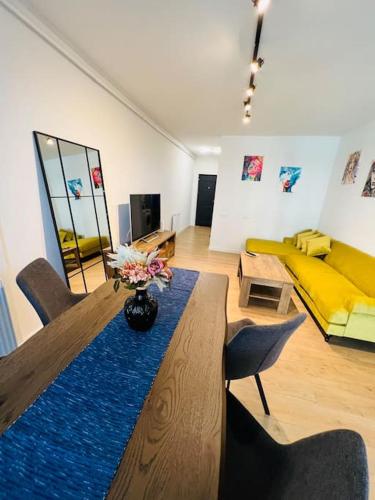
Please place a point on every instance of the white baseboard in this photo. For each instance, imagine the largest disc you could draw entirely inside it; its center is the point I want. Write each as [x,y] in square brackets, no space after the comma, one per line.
[225,249]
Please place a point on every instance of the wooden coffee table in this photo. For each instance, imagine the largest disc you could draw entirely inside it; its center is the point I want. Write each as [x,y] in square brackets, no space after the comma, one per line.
[264,277]
[75,256]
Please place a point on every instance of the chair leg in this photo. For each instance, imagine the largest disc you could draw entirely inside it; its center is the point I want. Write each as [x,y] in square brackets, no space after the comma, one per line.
[228,384]
[262,395]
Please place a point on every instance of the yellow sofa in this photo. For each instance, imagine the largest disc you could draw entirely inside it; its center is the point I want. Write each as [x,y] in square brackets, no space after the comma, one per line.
[339,289]
[86,246]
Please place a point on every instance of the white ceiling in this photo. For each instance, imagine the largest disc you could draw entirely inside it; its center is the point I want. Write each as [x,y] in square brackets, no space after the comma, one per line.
[185,63]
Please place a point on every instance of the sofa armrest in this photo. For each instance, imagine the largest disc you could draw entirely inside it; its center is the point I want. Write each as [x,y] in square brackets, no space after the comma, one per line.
[362,304]
[288,240]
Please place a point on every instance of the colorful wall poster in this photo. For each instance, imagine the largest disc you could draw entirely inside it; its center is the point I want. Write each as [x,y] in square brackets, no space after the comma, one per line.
[75,187]
[252,168]
[96,174]
[288,178]
[369,189]
[351,169]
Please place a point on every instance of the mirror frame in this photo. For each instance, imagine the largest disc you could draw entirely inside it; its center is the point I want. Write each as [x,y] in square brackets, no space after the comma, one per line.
[41,161]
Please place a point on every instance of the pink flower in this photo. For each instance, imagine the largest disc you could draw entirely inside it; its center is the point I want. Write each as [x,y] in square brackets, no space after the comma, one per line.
[134,273]
[155,267]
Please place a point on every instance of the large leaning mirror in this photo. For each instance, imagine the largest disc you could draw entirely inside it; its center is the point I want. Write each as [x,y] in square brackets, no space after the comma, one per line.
[75,188]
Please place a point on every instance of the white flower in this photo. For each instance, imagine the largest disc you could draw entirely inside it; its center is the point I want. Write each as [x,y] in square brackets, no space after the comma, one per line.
[152,256]
[159,281]
[126,254]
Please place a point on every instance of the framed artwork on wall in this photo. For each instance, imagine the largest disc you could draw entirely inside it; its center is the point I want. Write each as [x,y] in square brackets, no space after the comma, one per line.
[351,169]
[252,168]
[288,178]
[369,189]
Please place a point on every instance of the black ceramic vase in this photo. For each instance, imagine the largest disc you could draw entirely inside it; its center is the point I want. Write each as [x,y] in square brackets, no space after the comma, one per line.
[141,310]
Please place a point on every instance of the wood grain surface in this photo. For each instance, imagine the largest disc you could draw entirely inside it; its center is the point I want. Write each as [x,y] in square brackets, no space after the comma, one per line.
[264,267]
[164,240]
[175,450]
[269,273]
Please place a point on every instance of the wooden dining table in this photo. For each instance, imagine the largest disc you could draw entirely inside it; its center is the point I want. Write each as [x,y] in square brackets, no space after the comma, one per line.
[176,448]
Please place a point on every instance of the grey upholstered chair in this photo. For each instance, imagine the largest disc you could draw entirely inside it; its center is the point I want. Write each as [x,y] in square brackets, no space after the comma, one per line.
[253,348]
[46,291]
[327,466]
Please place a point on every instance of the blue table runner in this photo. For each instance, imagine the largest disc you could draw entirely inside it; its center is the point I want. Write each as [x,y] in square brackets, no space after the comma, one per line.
[70,441]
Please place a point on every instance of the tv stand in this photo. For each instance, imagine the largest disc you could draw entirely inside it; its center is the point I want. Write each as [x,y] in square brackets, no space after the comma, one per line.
[151,237]
[164,241]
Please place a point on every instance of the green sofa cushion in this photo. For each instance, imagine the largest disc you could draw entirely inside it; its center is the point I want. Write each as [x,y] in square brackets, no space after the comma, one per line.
[362,305]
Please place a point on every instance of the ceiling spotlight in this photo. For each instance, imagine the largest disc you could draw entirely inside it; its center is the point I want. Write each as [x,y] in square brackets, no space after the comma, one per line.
[246,118]
[250,91]
[247,105]
[261,5]
[50,141]
[256,65]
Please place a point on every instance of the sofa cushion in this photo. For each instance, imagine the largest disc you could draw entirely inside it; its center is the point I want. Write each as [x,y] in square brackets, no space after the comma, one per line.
[295,236]
[289,240]
[271,247]
[356,266]
[305,240]
[86,244]
[62,235]
[318,246]
[302,236]
[69,236]
[328,289]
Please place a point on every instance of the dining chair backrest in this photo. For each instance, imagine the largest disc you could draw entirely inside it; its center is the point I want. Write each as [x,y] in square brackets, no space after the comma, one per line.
[45,290]
[324,466]
[257,347]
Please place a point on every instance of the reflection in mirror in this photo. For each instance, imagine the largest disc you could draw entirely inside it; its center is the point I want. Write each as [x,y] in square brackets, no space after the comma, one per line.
[77,283]
[102,220]
[74,183]
[52,166]
[96,172]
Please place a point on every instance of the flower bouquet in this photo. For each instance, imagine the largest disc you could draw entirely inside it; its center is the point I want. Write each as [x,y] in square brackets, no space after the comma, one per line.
[137,271]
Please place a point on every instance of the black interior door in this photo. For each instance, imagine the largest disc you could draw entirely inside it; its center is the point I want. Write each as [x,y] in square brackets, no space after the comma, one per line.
[205,200]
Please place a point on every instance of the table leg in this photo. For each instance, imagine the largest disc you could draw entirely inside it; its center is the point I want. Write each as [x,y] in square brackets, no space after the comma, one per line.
[76,256]
[284,299]
[244,292]
[239,271]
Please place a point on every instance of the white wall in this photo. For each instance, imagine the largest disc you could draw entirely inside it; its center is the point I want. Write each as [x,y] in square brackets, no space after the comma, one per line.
[41,90]
[203,165]
[246,209]
[347,216]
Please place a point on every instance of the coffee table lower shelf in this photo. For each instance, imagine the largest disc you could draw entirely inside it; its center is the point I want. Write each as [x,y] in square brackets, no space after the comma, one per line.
[265,288]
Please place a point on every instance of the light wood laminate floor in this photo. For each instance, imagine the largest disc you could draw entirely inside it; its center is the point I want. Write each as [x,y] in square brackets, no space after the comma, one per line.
[315,386]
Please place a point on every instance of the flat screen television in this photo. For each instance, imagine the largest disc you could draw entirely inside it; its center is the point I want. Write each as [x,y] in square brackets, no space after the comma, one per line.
[145,214]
